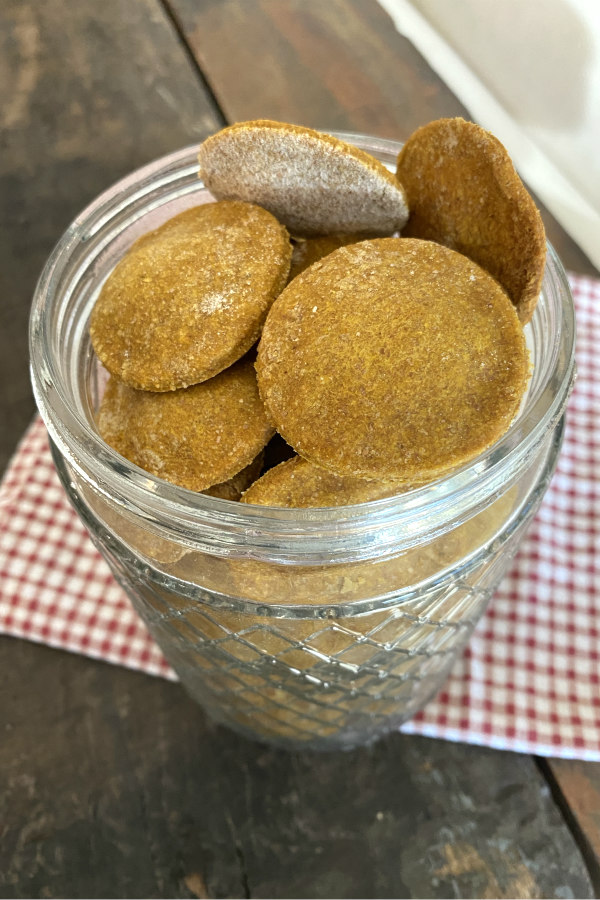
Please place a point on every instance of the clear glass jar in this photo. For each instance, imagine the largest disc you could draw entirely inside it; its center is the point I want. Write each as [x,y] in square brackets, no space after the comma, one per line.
[320,628]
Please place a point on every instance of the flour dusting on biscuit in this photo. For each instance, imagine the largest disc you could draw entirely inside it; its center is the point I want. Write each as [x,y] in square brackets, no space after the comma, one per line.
[313,183]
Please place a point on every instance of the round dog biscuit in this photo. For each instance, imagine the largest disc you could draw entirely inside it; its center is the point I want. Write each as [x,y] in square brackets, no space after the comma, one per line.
[464,192]
[196,437]
[299,483]
[394,359]
[191,297]
[312,182]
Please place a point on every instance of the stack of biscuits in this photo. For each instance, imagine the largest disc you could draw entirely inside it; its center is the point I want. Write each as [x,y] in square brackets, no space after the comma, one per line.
[373,320]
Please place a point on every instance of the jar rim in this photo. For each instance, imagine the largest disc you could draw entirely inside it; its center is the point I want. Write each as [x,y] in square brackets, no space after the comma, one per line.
[209,523]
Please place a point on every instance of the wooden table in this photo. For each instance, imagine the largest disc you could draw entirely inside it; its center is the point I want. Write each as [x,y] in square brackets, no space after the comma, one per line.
[112,783]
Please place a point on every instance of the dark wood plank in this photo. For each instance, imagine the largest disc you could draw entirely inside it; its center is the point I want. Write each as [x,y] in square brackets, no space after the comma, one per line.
[334,65]
[88,92]
[577,788]
[339,64]
[132,793]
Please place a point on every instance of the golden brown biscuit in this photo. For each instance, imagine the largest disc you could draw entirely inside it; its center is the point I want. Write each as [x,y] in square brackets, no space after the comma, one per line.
[301,484]
[464,192]
[233,488]
[310,250]
[393,359]
[312,182]
[191,297]
[196,437]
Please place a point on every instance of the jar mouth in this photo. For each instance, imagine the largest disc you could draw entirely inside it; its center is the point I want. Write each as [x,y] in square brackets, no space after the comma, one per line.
[62,364]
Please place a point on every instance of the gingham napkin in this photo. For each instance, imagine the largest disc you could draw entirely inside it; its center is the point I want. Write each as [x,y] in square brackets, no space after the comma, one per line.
[530,678]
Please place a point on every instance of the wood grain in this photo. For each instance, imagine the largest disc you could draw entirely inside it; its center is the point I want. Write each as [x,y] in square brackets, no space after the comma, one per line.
[576,787]
[115,785]
[88,92]
[339,65]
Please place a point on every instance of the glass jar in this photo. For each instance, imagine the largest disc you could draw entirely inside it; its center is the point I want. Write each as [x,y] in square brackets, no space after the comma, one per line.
[320,628]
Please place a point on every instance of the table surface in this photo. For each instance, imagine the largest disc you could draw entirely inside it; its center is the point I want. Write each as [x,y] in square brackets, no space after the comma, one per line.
[114,784]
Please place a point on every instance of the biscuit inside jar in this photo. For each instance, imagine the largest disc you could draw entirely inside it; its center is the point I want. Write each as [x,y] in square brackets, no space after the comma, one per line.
[197,437]
[464,192]
[190,298]
[393,359]
[384,363]
[300,484]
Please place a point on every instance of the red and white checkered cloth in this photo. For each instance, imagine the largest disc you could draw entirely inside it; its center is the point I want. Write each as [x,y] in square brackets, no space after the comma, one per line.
[530,678]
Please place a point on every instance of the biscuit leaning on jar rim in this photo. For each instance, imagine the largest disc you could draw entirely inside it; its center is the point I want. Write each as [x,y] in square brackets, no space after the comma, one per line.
[196,437]
[298,483]
[312,182]
[464,192]
[190,298]
[394,359]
